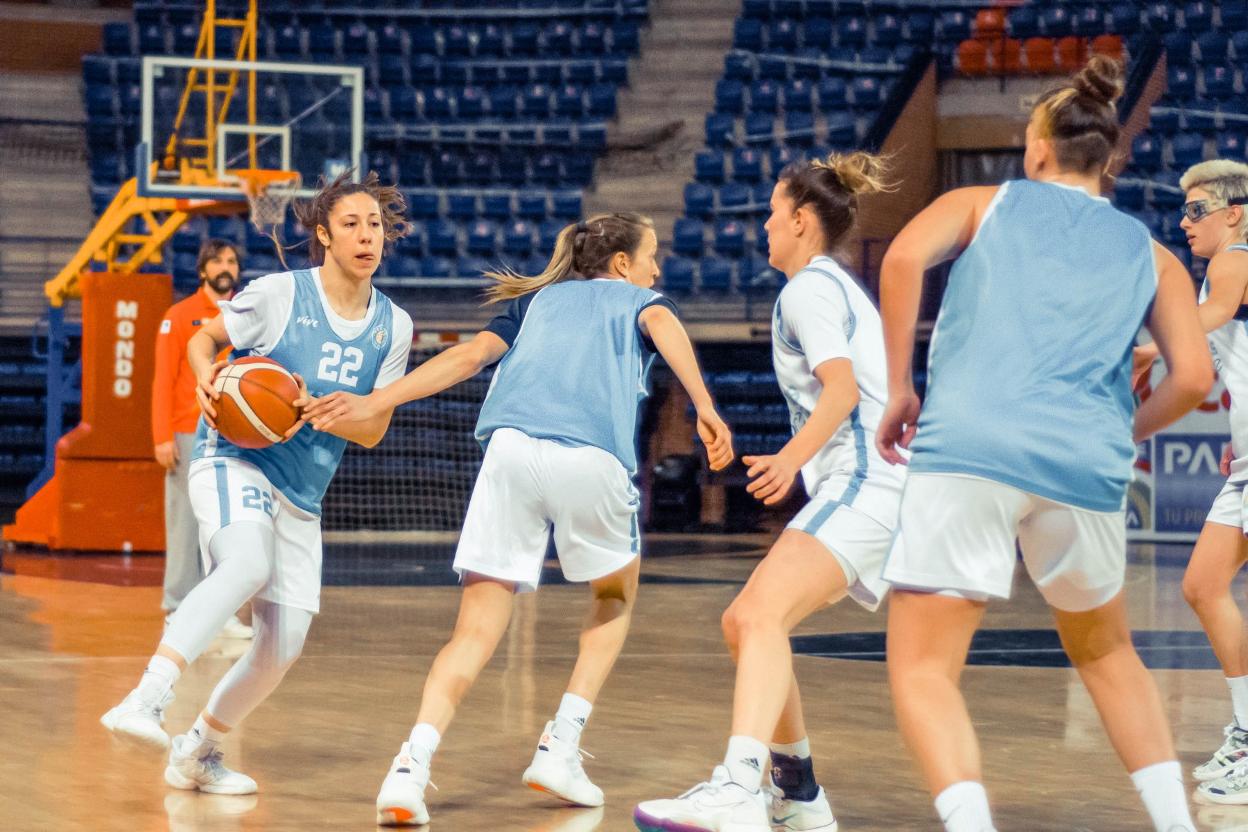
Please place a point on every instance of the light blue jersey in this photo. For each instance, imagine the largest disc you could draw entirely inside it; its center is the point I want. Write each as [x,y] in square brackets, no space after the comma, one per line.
[287,318]
[1029,379]
[576,371]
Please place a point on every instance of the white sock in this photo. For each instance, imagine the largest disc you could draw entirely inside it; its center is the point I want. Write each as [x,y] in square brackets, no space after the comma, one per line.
[745,760]
[161,674]
[571,717]
[423,742]
[1165,797]
[1239,698]
[963,807]
[799,749]
[201,731]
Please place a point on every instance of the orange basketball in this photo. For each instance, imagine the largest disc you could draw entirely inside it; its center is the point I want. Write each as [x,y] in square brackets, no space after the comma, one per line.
[256,407]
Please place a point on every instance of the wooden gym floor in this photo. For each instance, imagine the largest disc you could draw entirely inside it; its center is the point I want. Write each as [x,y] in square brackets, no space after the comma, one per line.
[74,633]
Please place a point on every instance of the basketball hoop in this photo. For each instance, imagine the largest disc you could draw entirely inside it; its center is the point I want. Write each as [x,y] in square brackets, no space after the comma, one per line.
[269,193]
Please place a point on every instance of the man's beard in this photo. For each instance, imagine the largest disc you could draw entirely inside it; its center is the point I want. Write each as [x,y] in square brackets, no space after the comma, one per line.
[223,283]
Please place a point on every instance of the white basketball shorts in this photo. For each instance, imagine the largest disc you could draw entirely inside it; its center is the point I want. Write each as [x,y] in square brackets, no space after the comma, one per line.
[225,490]
[528,486]
[858,542]
[1228,508]
[957,536]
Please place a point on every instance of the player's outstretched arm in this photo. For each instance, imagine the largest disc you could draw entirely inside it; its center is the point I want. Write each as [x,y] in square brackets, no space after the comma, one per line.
[1177,331]
[201,352]
[338,411]
[939,233]
[672,342]
[772,475]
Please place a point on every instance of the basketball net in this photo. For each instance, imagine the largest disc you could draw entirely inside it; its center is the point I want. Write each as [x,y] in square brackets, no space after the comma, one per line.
[269,193]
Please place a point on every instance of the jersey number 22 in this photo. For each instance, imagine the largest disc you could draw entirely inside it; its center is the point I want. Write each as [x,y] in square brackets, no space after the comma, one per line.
[338,364]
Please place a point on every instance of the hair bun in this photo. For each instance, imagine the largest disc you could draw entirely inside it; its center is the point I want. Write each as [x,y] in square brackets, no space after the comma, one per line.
[1101,80]
[858,172]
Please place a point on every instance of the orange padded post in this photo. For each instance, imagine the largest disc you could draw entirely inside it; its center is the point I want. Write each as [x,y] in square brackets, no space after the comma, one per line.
[107,492]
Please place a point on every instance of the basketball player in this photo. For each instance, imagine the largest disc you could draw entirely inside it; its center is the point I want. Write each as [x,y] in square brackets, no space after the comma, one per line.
[560,426]
[258,510]
[1026,433]
[175,414]
[828,351]
[1217,226]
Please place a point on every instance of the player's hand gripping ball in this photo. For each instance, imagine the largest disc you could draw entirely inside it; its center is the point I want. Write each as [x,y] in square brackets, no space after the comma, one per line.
[256,407]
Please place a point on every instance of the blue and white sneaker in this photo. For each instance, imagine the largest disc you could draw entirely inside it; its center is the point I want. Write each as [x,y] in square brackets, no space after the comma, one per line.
[139,718]
[198,767]
[813,815]
[718,805]
[1234,752]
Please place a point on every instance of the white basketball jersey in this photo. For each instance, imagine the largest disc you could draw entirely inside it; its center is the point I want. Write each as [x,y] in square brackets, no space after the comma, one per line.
[823,313]
[1229,345]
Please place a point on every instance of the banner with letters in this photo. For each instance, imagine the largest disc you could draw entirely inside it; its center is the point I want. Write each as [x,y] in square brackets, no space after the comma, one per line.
[1176,471]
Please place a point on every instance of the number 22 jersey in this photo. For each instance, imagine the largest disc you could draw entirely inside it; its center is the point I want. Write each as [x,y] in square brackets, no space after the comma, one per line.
[286,317]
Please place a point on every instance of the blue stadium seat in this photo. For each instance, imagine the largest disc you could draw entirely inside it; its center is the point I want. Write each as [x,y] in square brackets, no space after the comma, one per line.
[1188,149]
[1124,18]
[747,165]
[1088,21]
[323,41]
[730,238]
[547,170]
[390,39]
[593,38]
[1234,15]
[1212,46]
[1146,152]
[1178,46]
[404,103]
[518,238]
[715,275]
[569,101]
[779,157]
[797,96]
[708,166]
[1129,196]
[729,96]
[1167,195]
[101,101]
[772,68]
[1239,44]
[152,40]
[491,41]
[868,92]
[531,205]
[535,102]
[118,40]
[818,33]
[461,206]
[699,200]
[782,36]
[566,205]
[735,197]
[1202,116]
[760,9]
[720,130]
[1180,82]
[496,205]
[602,101]
[1198,16]
[888,30]
[548,232]
[738,66]
[1023,22]
[524,39]
[1056,22]
[851,31]
[799,129]
[357,42]
[288,42]
[687,237]
[1231,146]
[1162,122]
[625,37]
[503,102]
[470,103]
[764,97]
[677,274]
[1219,81]
[920,27]
[747,34]
[842,130]
[954,26]
[833,94]
[759,129]
[441,238]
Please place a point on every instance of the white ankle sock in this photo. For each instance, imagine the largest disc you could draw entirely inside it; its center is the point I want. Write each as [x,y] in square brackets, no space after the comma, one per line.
[423,742]
[963,807]
[161,674]
[201,731]
[571,717]
[745,760]
[799,749]
[1239,698]
[1165,797]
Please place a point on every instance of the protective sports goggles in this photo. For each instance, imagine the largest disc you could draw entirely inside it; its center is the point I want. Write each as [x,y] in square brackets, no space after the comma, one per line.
[1198,209]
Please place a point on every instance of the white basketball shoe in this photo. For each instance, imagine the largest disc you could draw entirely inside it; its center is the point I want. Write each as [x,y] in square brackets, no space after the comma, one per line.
[813,815]
[198,767]
[401,801]
[556,769]
[718,805]
[139,718]
[1234,752]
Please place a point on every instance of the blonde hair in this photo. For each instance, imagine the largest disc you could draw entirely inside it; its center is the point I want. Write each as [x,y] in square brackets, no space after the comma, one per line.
[832,187]
[1225,180]
[582,250]
[1080,117]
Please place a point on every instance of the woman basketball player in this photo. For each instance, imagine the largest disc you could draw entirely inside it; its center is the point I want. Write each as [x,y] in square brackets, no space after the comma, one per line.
[560,420]
[1026,433]
[828,351]
[1216,225]
[259,510]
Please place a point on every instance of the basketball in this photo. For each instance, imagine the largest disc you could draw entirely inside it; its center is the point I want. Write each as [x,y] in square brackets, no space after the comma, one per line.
[256,407]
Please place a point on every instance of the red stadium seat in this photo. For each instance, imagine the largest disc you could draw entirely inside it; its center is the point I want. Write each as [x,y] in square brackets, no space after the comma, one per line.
[989,23]
[1110,46]
[1071,54]
[1039,55]
[972,57]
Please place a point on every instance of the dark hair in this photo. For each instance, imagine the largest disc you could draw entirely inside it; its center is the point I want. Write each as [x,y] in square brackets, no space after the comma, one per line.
[315,211]
[1080,118]
[832,186]
[210,249]
[582,250]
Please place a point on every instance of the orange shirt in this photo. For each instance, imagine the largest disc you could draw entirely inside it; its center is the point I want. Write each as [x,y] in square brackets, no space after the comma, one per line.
[174,409]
